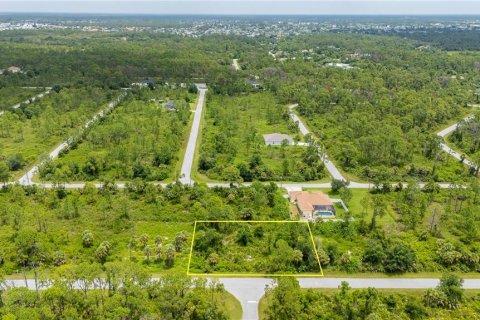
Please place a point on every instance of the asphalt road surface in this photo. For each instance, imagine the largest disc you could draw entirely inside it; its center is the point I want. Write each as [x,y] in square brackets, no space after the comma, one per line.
[26,179]
[186,171]
[249,291]
[32,99]
[332,169]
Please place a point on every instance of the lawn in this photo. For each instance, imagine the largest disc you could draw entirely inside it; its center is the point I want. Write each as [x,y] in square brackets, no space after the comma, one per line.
[231,306]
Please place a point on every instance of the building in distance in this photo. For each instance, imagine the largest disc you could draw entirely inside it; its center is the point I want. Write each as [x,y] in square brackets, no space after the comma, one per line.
[277,139]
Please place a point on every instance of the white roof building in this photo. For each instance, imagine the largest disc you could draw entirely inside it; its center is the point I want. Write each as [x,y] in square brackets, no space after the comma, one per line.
[276,139]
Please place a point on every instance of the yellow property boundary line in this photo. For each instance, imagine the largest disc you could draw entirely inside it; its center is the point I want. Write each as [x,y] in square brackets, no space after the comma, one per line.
[306,275]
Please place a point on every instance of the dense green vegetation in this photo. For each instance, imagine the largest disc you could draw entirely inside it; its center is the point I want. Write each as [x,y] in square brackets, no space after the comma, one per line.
[119,291]
[150,225]
[466,138]
[287,300]
[111,60]
[453,40]
[264,248]
[404,230]
[10,96]
[233,147]
[377,120]
[140,139]
[31,131]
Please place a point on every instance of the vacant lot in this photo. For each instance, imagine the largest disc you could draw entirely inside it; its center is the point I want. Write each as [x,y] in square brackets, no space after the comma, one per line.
[144,224]
[10,96]
[29,132]
[253,248]
[141,138]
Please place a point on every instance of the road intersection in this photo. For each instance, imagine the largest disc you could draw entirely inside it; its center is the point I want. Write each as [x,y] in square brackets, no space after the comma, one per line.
[250,290]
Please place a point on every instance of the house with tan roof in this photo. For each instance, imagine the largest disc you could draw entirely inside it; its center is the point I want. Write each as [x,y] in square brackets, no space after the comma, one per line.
[14,69]
[313,204]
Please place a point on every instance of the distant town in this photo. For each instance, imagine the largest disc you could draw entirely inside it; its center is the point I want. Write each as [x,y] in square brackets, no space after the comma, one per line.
[193,26]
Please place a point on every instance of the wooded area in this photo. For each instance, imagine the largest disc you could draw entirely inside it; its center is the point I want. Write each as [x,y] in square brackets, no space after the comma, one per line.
[10,96]
[373,103]
[30,132]
[142,138]
[257,248]
[233,147]
[119,290]
[447,301]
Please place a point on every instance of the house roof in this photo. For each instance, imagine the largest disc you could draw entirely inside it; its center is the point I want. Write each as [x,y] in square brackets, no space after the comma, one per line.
[307,200]
[277,137]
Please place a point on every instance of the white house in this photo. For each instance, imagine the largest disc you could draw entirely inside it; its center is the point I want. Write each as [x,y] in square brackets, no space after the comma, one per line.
[276,139]
[14,69]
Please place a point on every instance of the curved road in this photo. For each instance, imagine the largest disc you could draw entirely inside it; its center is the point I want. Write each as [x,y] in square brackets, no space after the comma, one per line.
[443,133]
[329,165]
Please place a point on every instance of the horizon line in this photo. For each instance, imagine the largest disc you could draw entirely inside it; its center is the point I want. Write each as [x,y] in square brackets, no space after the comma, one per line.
[248,15]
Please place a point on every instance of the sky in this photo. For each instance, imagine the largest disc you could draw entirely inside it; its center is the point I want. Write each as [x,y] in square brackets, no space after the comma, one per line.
[247,7]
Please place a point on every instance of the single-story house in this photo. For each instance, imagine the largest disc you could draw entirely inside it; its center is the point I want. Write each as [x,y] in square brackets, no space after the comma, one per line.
[147,83]
[170,105]
[144,83]
[254,83]
[276,139]
[344,66]
[313,204]
[14,69]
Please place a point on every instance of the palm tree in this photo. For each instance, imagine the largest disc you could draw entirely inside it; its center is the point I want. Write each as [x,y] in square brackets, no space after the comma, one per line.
[169,254]
[379,210]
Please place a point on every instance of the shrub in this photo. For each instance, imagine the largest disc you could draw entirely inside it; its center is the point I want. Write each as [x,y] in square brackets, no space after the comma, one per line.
[400,258]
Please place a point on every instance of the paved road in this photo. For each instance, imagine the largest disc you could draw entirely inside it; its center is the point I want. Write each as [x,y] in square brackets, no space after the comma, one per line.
[26,179]
[186,171]
[30,100]
[329,165]
[235,65]
[249,291]
[190,152]
[443,133]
